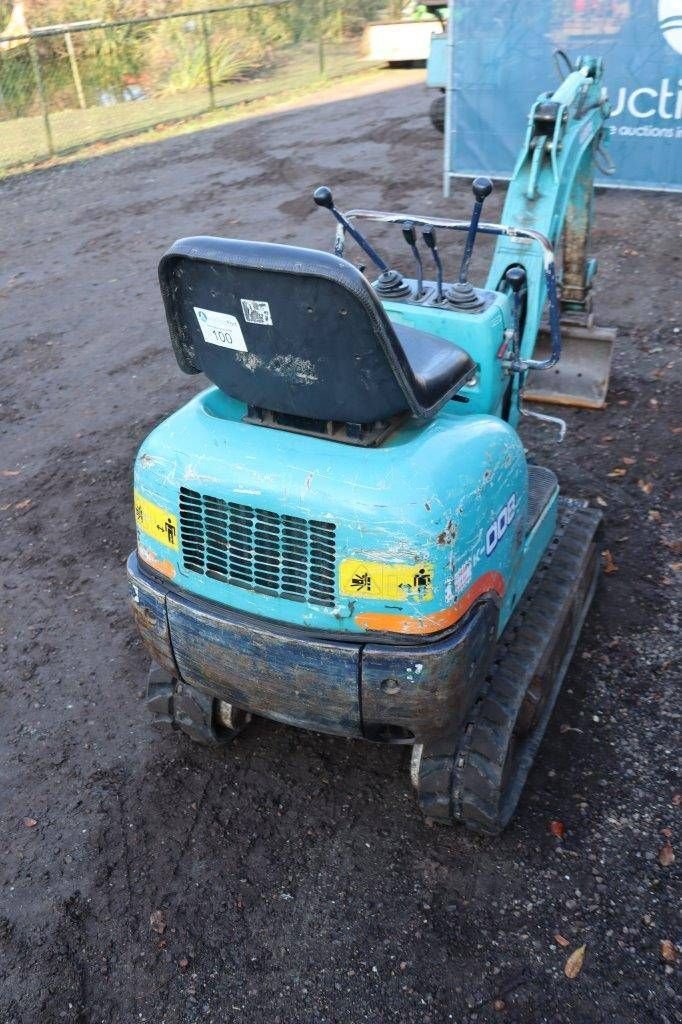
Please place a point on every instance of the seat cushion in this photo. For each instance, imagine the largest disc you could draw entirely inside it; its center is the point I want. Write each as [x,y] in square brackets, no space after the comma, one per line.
[439,368]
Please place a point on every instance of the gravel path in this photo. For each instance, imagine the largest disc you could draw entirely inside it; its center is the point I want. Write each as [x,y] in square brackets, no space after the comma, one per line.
[295,879]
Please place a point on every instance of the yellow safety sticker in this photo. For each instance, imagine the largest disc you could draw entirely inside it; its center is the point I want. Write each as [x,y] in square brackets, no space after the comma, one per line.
[386,581]
[156,522]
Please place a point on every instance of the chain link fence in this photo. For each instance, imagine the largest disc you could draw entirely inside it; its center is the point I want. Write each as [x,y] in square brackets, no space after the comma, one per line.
[69,86]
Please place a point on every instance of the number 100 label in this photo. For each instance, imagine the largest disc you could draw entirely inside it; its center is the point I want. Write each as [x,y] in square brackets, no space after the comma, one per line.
[220,329]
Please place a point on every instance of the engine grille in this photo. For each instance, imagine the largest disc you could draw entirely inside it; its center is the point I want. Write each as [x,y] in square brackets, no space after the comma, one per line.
[282,555]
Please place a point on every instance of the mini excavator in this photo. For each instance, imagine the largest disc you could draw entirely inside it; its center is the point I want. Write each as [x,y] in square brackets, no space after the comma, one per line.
[343,533]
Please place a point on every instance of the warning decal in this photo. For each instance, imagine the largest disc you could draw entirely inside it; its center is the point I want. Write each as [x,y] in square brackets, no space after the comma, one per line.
[386,582]
[156,522]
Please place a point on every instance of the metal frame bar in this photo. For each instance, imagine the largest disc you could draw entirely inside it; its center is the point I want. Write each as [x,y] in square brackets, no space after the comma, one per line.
[485,228]
[88,26]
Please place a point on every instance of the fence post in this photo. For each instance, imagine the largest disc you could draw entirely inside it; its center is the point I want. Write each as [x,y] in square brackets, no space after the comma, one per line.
[35,62]
[207,54]
[75,73]
[322,11]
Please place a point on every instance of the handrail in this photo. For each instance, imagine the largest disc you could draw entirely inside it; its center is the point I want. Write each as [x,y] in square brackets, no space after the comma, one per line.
[486,228]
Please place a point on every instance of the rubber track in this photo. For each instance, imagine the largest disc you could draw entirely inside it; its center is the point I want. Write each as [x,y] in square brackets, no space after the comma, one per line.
[467,786]
[179,706]
[477,797]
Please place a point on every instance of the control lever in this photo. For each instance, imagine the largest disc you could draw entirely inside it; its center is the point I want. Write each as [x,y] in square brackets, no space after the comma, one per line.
[516,279]
[389,283]
[410,236]
[462,293]
[429,236]
[323,197]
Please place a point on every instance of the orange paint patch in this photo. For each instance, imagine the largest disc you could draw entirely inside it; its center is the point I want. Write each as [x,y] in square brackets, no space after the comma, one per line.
[385,622]
[160,564]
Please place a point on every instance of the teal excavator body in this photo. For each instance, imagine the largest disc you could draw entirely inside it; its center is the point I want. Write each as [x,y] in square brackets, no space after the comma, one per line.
[343,532]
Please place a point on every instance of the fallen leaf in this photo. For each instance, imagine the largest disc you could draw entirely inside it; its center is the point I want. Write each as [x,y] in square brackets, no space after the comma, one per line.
[574,964]
[654,515]
[629,461]
[609,564]
[499,1004]
[674,545]
[561,940]
[645,486]
[10,472]
[677,800]
[23,504]
[183,963]
[618,471]
[157,921]
[600,501]
[668,951]
[608,438]
[557,829]
[676,566]
[30,822]
[666,855]
[667,832]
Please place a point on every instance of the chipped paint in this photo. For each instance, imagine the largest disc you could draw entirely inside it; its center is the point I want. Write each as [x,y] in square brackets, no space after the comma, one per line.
[161,565]
[448,535]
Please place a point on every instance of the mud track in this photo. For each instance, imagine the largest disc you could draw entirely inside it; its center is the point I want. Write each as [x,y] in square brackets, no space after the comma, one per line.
[296,877]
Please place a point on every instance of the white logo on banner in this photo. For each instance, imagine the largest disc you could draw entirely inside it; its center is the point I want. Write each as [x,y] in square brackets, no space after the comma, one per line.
[670,23]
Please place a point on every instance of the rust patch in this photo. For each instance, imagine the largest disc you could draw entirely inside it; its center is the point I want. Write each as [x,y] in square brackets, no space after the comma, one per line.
[447,536]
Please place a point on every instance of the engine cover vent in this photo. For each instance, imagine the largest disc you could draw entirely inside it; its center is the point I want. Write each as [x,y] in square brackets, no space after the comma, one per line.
[282,555]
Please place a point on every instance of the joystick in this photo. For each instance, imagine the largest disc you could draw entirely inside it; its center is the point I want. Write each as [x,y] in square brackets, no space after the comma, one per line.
[389,284]
[516,279]
[462,294]
[410,236]
[429,236]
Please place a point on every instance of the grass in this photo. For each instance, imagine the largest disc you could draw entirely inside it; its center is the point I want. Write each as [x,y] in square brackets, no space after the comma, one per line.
[23,141]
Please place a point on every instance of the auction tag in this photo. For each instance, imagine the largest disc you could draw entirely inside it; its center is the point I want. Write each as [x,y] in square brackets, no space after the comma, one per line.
[157,522]
[386,581]
[220,329]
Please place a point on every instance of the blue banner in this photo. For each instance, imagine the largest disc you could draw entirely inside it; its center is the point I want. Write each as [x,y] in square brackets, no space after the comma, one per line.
[501,60]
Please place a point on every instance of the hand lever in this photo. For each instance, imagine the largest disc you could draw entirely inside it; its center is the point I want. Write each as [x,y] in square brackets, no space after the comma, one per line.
[410,236]
[516,279]
[461,294]
[323,197]
[482,187]
[429,236]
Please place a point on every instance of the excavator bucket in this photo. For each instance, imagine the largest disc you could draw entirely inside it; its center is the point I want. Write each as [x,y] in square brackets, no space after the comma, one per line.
[581,377]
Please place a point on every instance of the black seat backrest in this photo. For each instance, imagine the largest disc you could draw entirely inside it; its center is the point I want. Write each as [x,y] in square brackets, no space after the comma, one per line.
[285,329]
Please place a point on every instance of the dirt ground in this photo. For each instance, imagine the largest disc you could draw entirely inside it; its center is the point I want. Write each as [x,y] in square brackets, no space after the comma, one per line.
[295,876]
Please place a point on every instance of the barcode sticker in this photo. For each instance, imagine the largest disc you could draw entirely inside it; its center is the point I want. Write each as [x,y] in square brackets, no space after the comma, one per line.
[256,312]
[220,329]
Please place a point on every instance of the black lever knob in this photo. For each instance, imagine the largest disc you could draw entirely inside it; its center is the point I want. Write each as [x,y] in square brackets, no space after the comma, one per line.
[481,187]
[323,197]
[515,278]
[429,236]
[409,234]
